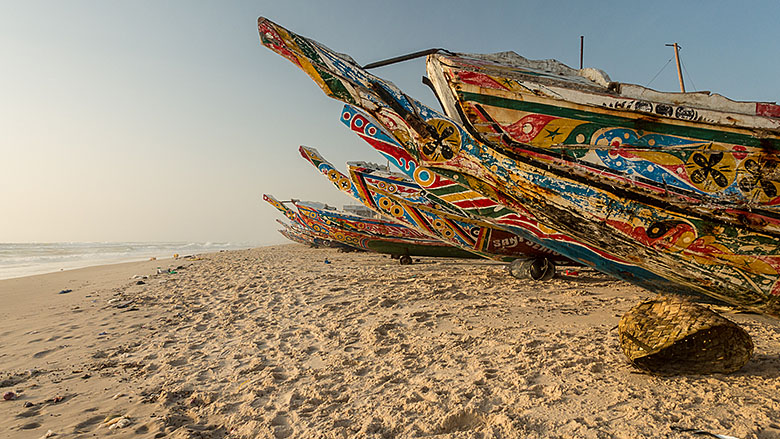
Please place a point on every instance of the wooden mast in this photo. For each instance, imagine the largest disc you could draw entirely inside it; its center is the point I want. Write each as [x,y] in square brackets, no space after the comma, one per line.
[679,70]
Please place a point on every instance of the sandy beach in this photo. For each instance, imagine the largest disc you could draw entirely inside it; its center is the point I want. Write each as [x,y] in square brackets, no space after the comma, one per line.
[275,343]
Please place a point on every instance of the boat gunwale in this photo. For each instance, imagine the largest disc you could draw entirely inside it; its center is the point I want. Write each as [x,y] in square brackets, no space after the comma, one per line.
[557,83]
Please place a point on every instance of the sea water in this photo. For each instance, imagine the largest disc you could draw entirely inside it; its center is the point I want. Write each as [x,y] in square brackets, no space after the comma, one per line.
[25,259]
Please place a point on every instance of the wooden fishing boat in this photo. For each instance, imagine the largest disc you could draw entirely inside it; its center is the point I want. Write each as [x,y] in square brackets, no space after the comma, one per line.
[299,234]
[699,151]
[461,199]
[328,225]
[341,78]
[342,221]
[294,237]
[452,196]
[670,249]
[395,196]
[301,229]
[291,215]
[355,223]
[319,218]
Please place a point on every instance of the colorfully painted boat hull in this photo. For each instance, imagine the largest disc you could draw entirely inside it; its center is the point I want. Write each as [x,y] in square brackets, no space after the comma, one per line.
[319,224]
[475,236]
[370,226]
[328,226]
[706,154]
[669,250]
[452,196]
[460,198]
[342,79]
[299,228]
[321,221]
[297,233]
[395,196]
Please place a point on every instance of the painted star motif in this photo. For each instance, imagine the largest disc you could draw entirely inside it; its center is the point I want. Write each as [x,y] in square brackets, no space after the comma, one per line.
[552,134]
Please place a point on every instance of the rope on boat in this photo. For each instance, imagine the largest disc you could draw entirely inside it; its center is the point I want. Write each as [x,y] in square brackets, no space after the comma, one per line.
[659,72]
[688,75]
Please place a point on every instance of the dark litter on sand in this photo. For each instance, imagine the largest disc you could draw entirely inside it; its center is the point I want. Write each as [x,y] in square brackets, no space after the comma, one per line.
[697,432]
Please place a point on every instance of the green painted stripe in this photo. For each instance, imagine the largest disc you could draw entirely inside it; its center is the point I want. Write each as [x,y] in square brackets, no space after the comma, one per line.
[491,212]
[447,190]
[617,121]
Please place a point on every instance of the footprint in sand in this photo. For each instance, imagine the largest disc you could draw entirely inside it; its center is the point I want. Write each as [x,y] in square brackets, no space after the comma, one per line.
[43,353]
[279,375]
[281,426]
[82,426]
[29,426]
[178,362]
[175,421]
[29,413]
[461,421]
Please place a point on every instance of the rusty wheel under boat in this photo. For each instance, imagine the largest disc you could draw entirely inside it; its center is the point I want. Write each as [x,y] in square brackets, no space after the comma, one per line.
[541,269]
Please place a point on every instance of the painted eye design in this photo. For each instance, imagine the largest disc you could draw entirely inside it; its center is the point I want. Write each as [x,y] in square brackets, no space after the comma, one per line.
[397,211]
[385,203]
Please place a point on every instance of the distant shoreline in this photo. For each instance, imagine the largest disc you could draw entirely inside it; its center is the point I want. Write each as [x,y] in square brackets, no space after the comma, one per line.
[30,259]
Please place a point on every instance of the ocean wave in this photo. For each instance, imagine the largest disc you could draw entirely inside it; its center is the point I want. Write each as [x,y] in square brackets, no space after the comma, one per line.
[24,259]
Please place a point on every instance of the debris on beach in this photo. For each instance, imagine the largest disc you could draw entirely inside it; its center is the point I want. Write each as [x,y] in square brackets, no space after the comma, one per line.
[698,432]
[670,336]
[117,422]
[57,399]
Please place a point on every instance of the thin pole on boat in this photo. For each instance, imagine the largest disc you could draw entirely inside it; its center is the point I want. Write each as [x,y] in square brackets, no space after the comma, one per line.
[679,70]
[401,58]
[582,47]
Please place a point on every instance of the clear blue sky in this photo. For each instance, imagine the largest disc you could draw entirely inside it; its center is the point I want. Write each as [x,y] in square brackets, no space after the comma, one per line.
[167,120]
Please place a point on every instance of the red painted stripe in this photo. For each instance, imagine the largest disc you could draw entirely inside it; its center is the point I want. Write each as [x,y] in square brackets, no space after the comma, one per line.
[768,110]
[475,203]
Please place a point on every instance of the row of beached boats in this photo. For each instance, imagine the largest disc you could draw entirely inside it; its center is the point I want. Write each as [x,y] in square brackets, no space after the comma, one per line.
[535,161]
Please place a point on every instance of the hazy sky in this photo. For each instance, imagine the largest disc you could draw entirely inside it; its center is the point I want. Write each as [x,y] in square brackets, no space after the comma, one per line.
[167,120]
